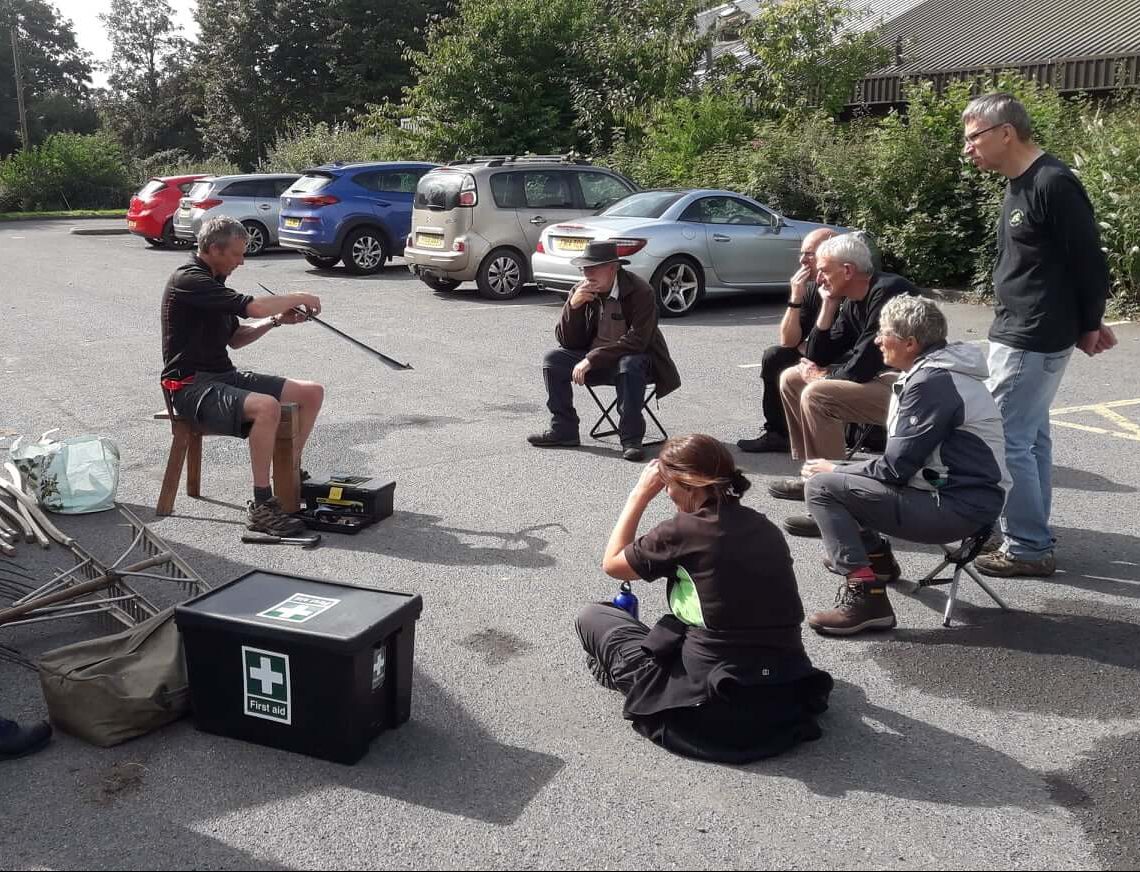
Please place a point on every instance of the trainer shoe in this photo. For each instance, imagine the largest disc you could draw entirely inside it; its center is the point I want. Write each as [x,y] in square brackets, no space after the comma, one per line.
[883,564]
[788,489]
[550,439]
[269,517]
[858,606]
[17,740]
[998,564]
[768,440]
[803,526]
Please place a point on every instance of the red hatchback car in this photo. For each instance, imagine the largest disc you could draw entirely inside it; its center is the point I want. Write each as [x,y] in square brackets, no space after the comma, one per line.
[151,213]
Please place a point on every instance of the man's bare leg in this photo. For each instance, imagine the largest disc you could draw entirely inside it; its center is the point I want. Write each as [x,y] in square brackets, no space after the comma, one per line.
[265,414]
[309,396]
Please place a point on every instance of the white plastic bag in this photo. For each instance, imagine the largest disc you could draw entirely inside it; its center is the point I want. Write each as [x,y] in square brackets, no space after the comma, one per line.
[81,477]
[32,458]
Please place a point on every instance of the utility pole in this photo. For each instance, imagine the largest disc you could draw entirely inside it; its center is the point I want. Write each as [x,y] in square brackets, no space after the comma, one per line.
[19,84]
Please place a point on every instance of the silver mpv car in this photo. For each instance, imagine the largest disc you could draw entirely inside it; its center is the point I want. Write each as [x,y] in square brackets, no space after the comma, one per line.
[253,199]
[480,219]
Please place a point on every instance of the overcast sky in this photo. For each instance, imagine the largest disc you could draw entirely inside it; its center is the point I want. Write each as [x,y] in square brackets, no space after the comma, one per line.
[84,15]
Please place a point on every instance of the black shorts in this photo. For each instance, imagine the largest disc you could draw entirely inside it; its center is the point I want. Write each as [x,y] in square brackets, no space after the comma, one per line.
[215,401]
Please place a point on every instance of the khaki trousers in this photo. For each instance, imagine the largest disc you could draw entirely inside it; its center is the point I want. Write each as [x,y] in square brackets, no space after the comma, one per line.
[818,411]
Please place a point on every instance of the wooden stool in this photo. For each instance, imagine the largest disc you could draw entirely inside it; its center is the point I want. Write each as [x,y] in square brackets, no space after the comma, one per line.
[186,450]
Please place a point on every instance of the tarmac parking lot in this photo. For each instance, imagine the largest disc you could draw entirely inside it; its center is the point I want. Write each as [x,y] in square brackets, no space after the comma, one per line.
[1008,740]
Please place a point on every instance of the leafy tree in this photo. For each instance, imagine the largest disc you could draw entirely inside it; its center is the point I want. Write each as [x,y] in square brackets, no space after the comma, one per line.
[544,75]
[149,105]
[806,58]
[55,72]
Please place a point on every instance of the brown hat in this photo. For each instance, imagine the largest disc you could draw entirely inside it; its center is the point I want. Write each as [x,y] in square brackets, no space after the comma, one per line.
[598,253]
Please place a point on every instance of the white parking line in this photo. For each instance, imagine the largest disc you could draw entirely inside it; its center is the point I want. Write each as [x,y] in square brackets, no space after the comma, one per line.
[748,365]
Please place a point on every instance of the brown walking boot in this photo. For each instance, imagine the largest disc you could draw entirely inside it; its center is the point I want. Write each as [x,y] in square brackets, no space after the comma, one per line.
[858,606]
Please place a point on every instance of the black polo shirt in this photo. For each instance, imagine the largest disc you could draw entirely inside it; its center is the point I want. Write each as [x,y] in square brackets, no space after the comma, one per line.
[731,584]
[199,315]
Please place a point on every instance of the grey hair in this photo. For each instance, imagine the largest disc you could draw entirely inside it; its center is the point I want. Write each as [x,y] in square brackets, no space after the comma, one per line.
[914,317]
[1000,108]
[221,231]
[848,248]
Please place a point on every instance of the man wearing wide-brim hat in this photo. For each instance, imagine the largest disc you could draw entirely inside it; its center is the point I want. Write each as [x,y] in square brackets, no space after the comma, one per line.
[608,334]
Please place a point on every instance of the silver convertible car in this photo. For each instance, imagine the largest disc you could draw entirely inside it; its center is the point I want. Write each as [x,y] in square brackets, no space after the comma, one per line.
[684,243]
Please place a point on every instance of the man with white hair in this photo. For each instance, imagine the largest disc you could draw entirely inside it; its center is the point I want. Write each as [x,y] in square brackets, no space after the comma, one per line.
[1050,283]
[941,478]
[842,378]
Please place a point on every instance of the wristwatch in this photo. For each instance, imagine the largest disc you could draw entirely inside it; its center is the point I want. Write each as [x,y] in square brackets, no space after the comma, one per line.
[792,305]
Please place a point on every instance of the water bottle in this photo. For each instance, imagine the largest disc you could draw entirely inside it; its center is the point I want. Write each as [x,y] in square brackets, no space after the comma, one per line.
[626,599]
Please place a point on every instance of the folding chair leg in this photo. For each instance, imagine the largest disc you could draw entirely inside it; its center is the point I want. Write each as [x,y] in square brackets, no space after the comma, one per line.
[656,424]
[951,597]
[596,431]
[974,575]
[930,576]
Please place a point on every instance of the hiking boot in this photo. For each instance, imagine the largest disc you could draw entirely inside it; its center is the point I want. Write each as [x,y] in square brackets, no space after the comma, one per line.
[802,525]
[788,489]
[16,740]
[550,439]
[859,606]
[768,440]
[883,564]
[269,517]
[632,451]
[1001,565]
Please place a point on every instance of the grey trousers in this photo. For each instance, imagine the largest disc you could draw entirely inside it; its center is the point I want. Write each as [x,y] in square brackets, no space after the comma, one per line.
[852,510]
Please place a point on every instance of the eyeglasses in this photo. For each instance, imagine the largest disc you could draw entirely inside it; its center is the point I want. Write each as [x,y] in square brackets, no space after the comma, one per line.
[888,334]
[971,138]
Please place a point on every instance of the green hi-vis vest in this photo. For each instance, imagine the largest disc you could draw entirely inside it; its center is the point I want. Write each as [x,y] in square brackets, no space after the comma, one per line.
[684,601]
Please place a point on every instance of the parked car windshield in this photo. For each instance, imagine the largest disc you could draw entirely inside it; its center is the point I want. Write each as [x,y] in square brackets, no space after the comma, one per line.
[309,184]
[200,190]
[439,190]
[150,188]
[647,204]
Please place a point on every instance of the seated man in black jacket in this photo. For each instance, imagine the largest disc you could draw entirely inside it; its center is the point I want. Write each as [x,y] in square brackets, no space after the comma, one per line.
[842,378]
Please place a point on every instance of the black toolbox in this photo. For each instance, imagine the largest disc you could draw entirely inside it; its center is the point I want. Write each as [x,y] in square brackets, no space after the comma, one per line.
[324,666]
[346,503]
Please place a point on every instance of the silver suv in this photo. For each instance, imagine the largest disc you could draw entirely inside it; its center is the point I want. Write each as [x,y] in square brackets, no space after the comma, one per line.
[253,199]
[481,218]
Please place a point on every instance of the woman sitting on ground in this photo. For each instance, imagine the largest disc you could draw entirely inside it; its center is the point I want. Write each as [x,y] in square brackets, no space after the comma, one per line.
[724,675]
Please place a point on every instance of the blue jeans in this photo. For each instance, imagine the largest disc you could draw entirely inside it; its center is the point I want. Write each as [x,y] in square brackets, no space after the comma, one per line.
[1024,384]
[629,378]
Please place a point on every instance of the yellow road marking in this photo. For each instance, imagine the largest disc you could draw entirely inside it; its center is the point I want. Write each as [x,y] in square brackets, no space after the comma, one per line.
[1112,404]
[1133,436]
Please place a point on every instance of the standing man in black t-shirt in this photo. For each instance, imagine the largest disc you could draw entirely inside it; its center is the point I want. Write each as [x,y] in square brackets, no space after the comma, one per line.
[799,318]
[1050,283]
[199,320]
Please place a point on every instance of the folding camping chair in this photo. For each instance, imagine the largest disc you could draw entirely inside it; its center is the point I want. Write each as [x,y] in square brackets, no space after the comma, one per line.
[596,432]
[962,558]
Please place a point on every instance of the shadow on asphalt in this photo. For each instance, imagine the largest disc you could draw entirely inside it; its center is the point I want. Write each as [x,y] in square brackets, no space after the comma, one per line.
[1075,659]
[1083,480]
[870,749]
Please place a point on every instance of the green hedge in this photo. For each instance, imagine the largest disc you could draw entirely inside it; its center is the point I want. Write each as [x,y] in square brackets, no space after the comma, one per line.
[907,182]
[68,171]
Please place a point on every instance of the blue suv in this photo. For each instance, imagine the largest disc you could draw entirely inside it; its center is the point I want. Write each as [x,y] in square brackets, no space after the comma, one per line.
[360,213]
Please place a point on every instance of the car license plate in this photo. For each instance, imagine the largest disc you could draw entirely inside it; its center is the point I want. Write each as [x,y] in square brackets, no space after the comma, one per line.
[131,225]
[429,240]
[292,223]
[570,243]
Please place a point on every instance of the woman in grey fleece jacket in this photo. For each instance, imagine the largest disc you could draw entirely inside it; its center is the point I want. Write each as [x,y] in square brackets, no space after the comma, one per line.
[941,478]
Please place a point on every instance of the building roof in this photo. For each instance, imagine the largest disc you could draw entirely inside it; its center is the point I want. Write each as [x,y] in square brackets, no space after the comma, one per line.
[954,34]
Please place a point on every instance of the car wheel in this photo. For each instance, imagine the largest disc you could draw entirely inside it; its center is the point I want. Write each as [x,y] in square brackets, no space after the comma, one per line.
[438,284]
[258,238]
[169,239]
[365,251]
[322,262]
[678,285]
[502,275]
[155,243]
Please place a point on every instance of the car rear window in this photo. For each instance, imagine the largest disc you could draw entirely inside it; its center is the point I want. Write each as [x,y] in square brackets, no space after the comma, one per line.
[200,190]
[310,183]
[647,204]
[151,188]
[439,190]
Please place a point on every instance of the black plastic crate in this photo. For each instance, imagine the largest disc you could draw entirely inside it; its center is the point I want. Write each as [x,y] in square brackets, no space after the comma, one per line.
[324,667]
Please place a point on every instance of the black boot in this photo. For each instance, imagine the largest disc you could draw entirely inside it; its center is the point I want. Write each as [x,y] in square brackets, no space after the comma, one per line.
[17,740]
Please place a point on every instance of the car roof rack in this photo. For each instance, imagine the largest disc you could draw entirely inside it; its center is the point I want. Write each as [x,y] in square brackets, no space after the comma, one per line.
[498,160]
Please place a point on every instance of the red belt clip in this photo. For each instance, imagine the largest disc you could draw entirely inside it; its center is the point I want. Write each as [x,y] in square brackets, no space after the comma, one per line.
[173,384]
